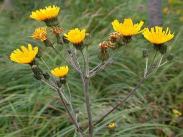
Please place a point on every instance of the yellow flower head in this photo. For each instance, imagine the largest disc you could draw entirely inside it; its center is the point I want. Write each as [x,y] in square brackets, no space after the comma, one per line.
[40,34]
[176,113]
[111,125]
[157,35]
[60,71]
[24,55]
[76,36]
[127,28]
[47,13]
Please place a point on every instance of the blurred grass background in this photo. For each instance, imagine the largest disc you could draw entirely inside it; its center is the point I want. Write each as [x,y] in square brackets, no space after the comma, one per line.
[30,109]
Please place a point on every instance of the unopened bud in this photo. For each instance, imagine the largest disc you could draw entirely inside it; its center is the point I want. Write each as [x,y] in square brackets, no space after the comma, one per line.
[37,72]
[63,80]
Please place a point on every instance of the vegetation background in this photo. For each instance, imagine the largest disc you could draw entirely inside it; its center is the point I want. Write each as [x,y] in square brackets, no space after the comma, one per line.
[30,109]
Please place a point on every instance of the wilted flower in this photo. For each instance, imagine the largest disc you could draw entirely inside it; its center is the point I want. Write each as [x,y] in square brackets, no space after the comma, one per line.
[60,72]
[157,35]
[127,28]
[76,36]
[24,55]
[45,14]
[113,37]
[57,30]
[40,34]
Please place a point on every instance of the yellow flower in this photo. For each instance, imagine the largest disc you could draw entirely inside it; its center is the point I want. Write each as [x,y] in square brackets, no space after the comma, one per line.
[40,34]
[24,55]
[47,13]
[76,36]
[127,28]
[60,71]
[165,10]
[176,113]
[111,125]
[157,35]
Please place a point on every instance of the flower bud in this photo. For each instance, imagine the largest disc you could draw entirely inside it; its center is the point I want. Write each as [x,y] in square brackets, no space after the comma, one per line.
[38,73]
[63,80]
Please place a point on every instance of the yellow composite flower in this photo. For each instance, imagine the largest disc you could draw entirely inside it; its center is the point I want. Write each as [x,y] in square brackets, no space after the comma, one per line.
[157,35]
[76,36]
[176,113]
[111,125]
[40,34]
[49,12]
[60,72]
[127,28]
[24,55]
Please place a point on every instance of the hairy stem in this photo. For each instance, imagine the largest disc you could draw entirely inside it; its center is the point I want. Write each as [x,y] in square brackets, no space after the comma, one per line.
[85,81]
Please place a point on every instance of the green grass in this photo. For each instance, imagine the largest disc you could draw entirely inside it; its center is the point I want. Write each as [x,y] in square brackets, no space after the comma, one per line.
[30,109]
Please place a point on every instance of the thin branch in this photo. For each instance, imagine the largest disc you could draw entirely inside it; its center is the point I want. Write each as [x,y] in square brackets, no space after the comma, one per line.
[132,92]
[122,101]
[69,113]
[163,63]
[100,67]
[70,100]
[49,84]
[146,67]
[73,60]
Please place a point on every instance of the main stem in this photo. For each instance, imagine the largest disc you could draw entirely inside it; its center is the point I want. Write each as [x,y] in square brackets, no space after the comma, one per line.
[85,81]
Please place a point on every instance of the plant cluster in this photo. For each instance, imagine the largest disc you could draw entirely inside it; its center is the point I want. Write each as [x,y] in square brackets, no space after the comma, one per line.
[74,44]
